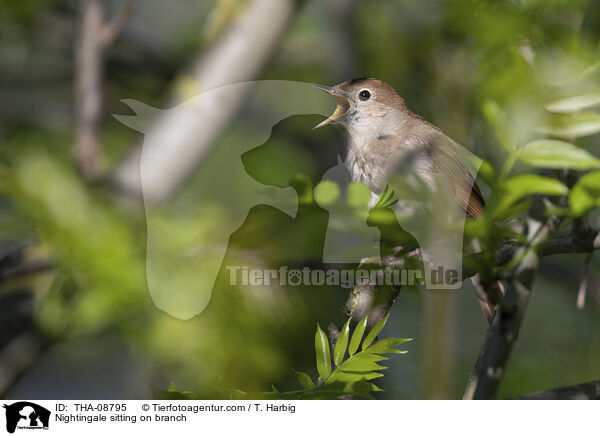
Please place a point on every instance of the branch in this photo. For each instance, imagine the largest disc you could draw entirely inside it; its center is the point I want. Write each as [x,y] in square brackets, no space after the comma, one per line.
[111,30]
[568,243]
[88,86]
[583,391]
[563,243]
[503,331]
[372,300]
[94,37]
[238,56]
[362,298]
[24,270]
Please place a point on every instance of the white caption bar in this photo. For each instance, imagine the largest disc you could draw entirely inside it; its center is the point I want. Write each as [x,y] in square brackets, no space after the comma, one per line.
[23,417]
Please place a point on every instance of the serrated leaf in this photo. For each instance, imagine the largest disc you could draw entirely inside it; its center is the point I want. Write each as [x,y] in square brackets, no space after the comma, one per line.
[174,393]
[364,389]
[352,376]
[357,336]
[323,354]
[361,365]
[497,118]
[328,391]
[394,351]
[374,332]
[363,355]
[585,195]
[305,380]
[384,346]
[533,184]
[363,362]
[574,104]
[549,153]
[572,125]
[323,392]
[341,344]
[386,199]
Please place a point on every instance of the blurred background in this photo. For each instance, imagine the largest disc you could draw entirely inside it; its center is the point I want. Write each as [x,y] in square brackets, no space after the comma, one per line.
[76,317]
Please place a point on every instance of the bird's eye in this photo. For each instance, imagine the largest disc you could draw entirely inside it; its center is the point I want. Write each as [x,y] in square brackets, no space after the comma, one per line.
[364,95]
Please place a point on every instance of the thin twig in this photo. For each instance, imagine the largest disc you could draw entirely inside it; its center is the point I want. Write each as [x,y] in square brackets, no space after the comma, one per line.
[94,37]
[88,86]
[26,269]
[239,55]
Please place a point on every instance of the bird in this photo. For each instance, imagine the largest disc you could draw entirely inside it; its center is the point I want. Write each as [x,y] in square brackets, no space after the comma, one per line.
[387,139]
[385,135]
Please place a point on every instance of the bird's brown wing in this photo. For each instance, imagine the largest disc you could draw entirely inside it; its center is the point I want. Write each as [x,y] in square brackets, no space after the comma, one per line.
[455,173]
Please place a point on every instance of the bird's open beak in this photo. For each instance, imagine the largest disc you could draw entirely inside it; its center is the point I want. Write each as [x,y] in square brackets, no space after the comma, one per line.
[343,105]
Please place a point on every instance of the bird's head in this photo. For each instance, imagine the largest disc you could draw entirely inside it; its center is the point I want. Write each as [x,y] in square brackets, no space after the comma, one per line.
[362,102]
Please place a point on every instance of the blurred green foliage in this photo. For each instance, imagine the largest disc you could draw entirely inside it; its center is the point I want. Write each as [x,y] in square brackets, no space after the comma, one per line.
[352,375]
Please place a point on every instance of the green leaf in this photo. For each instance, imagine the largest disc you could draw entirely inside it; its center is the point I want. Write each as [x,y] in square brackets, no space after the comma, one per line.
[386,199]
[574,104]
[215,392]
[385,346]
[497,118]
[511,210]
[572,125]
[323,392]
[357,336]
[374,332]
[549,153]
[351,375]
[533,184]
[354,376]
[358,367]
[364,389]
[585,195]
[486,173]
[363,362]
[323,353]
[305,380]
[341,344]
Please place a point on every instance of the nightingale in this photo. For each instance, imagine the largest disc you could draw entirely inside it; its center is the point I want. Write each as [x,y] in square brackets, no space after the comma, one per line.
[385,138]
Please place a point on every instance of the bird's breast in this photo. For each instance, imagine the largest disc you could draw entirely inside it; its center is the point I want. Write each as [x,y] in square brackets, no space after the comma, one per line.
[375,163]
[363,167]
